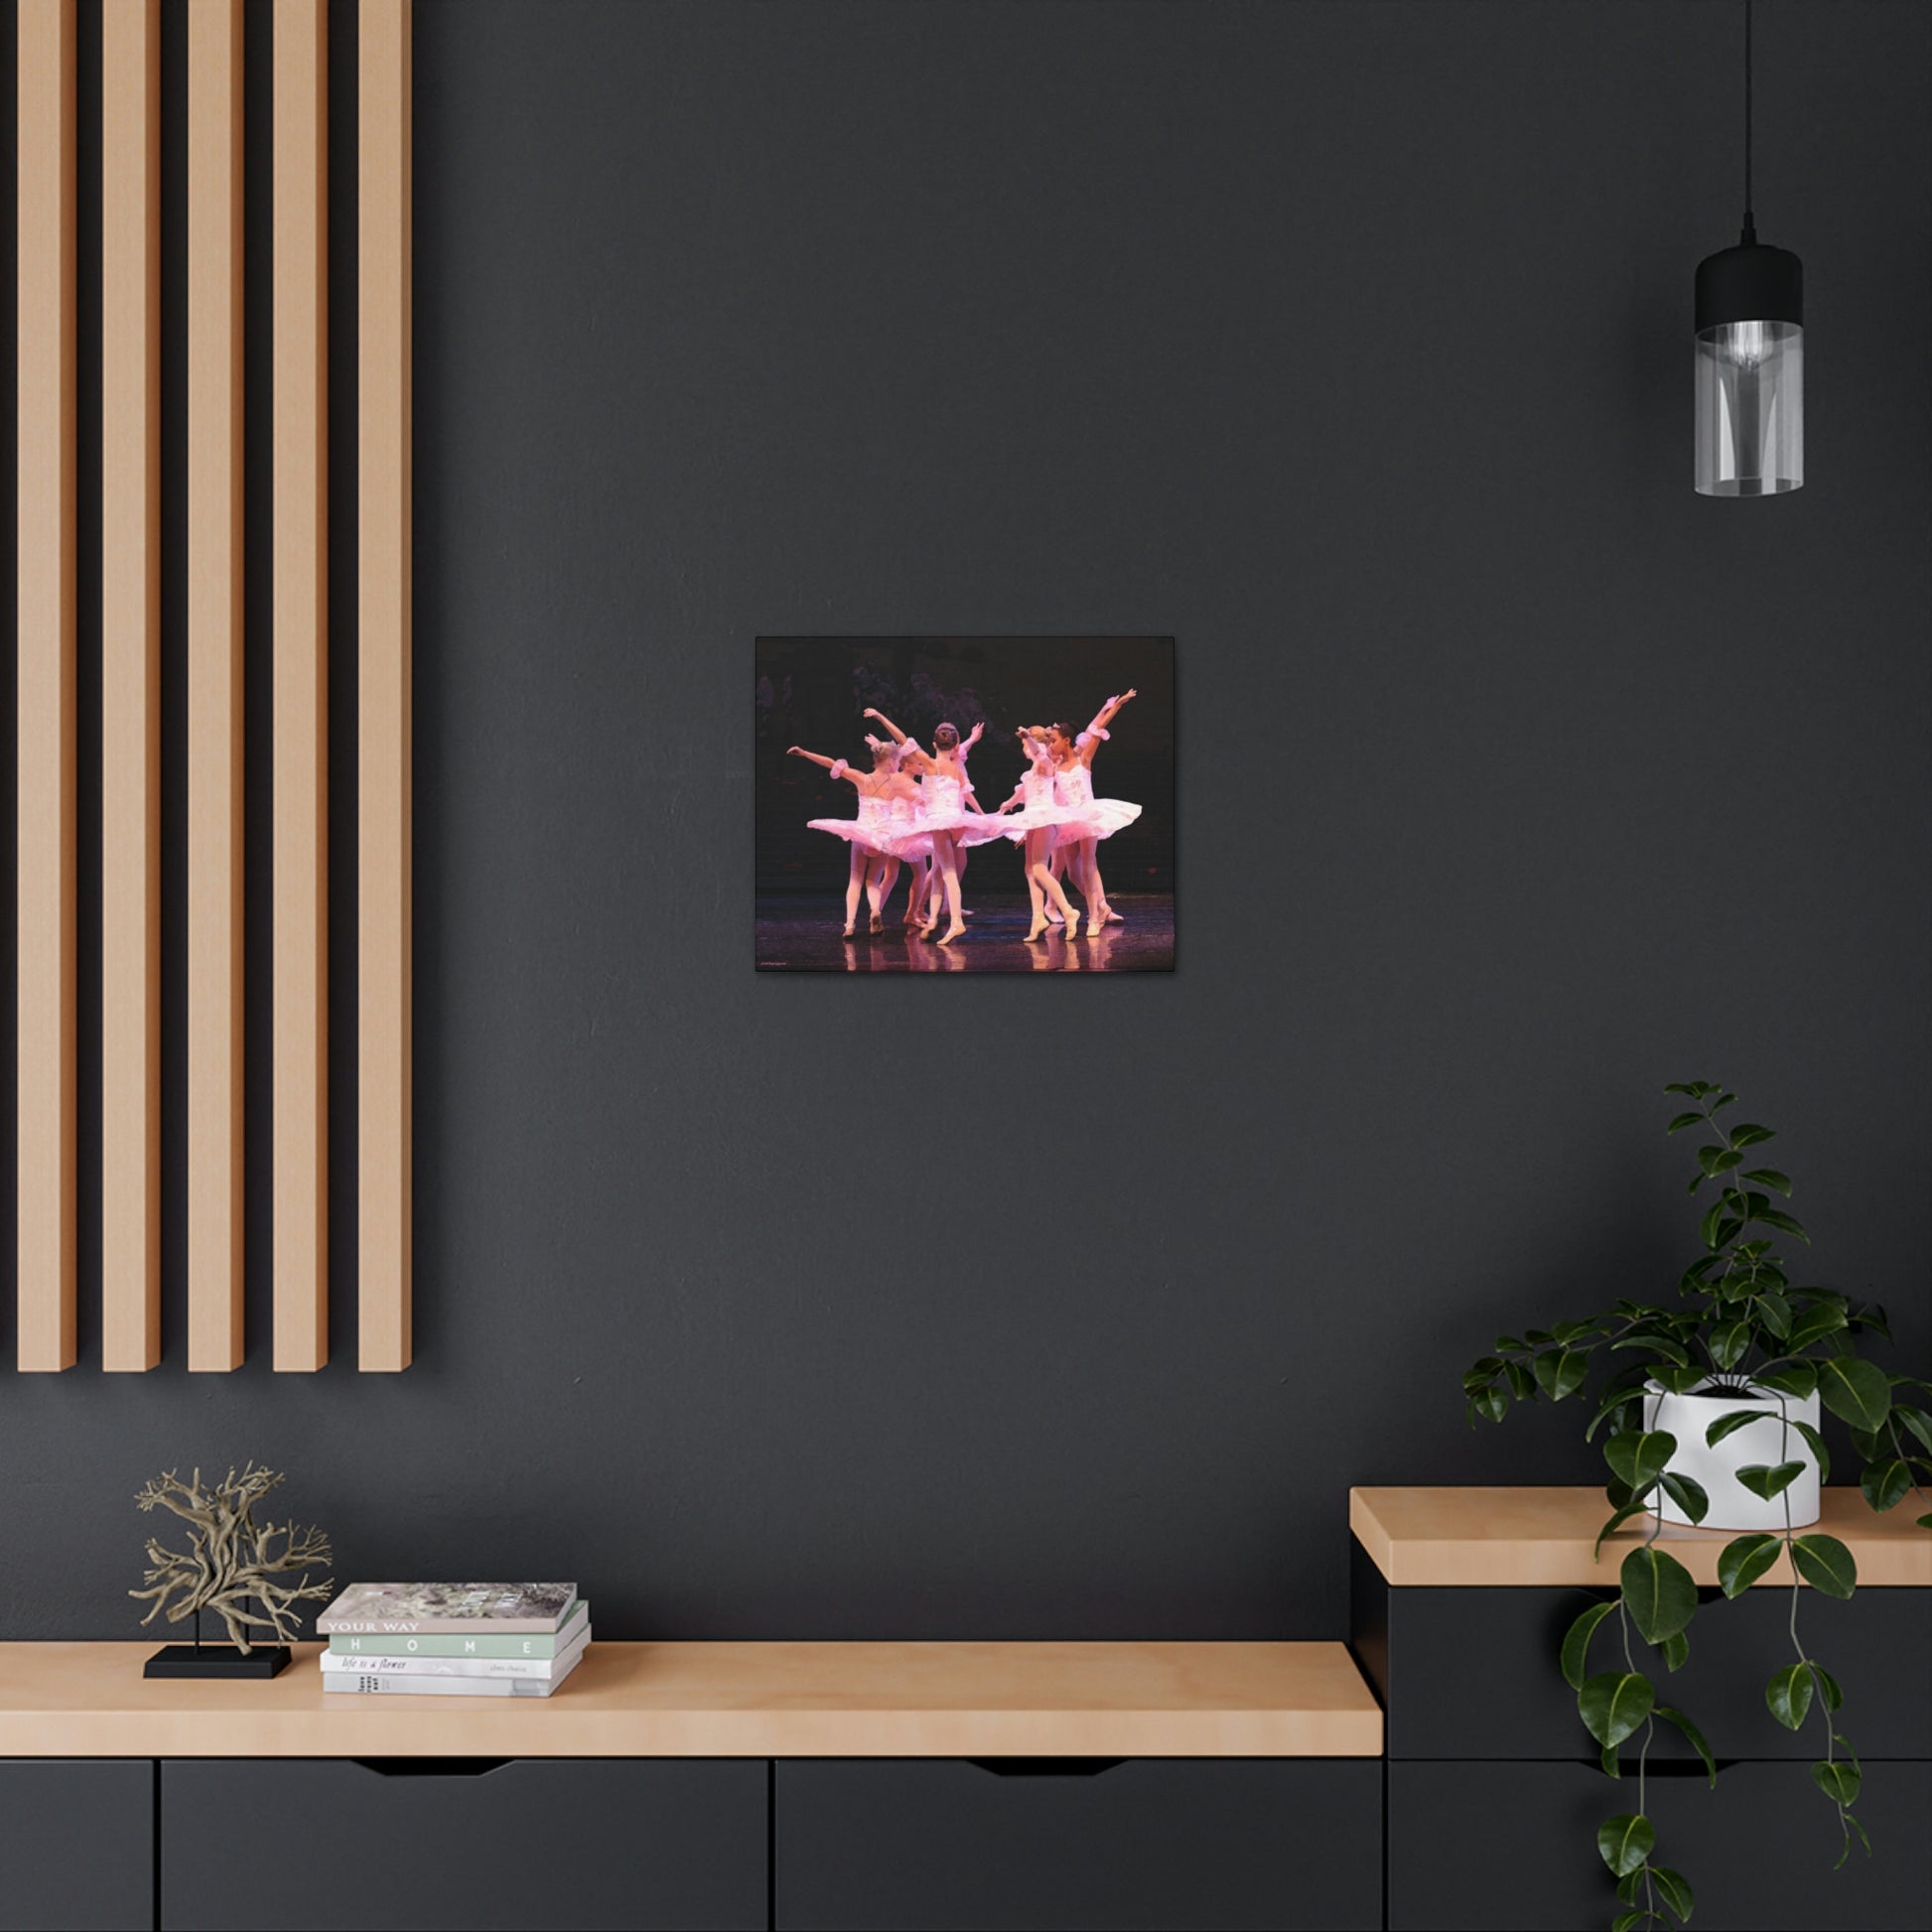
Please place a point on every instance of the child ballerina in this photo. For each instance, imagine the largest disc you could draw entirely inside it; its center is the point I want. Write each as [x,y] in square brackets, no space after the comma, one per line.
[1032,831]
[869,833]
[906,748]
[1094,818]
[945,815]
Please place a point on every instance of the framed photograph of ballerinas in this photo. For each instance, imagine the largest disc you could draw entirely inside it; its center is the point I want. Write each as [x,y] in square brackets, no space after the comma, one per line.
[965,805]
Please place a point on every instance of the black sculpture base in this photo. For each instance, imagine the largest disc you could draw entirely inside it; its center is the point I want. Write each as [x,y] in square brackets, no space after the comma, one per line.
[217,1660]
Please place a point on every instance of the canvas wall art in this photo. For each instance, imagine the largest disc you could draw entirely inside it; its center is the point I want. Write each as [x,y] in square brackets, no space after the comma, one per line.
[965,805]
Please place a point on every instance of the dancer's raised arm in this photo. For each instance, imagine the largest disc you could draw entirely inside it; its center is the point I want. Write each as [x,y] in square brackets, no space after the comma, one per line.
[1089,740]
[899,737]
[837,766]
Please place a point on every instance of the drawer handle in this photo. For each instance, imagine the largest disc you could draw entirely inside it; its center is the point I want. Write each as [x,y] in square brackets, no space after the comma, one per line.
[1045,1767]
[431,1768]
[1679,1767]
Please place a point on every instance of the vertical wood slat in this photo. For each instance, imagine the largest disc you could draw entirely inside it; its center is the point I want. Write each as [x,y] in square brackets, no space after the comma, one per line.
[383,679]
[215,672]
[131,724]
[44,831]
[301,724]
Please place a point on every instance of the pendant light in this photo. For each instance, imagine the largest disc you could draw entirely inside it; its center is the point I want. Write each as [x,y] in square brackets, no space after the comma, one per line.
[1751,356]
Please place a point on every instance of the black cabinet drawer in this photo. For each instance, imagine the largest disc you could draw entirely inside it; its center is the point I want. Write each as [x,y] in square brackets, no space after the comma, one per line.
[1514,1845]
[1472,1673]
[1043,1845]
[559,1843]
[76,1843]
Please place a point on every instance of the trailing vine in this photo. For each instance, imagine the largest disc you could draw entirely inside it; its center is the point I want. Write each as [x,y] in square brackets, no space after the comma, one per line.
[1741,1330]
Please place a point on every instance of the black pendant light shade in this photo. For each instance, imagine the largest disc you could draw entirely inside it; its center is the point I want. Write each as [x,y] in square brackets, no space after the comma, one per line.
[1751,356]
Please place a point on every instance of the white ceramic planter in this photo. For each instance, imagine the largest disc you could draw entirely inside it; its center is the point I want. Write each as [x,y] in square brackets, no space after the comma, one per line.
[1733,1506]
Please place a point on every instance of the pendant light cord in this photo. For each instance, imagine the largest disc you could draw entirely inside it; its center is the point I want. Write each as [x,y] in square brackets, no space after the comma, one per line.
[1750,220]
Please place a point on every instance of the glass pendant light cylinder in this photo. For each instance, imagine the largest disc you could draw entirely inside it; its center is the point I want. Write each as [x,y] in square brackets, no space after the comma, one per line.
[1750,372]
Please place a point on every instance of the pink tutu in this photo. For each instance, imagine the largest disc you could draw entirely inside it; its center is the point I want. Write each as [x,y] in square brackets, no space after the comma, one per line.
[869,829]
[942,809]
[1087,817]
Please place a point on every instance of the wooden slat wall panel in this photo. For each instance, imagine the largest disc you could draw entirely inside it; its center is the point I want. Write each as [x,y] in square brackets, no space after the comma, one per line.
[131,705]
[301,1046]
[215,672]
[46,833]
[384,713]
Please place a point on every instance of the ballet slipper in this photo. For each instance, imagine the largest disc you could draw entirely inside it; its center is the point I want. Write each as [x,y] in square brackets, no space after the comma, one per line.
[878,925]
[1036,932]
[1110,917]
[954,932]
[848,932]
[1093,929]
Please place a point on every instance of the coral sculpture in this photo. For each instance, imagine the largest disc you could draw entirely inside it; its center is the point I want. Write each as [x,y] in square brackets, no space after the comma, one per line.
[231,1557]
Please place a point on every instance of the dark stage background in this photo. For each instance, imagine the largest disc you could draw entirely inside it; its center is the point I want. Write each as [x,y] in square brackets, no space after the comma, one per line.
[813,691]
[1347,344]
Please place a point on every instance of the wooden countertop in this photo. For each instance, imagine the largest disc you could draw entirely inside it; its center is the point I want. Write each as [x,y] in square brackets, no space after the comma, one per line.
[1466,1538]
[727,1700]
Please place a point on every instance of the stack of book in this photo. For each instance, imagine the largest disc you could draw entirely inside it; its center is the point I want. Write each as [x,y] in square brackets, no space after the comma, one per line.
[454,1639]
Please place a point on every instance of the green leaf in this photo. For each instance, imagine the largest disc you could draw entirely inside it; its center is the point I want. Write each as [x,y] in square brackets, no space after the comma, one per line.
[1761,1480]
[1695,1735]
[1679,1381]
[1816,1444]
[1743,1559]
[1857,1391]
[1826,1563]
[1491,1403]
[1522,1385]
[1607,1758]
[1707,1227]
[1789,1695]
[1775,1217]
[1628,1921]
[1838,1780]
[1696,1089]
[1682,1121]
[1747,1133]
[1916,1420]
[1821,1318]
[1676,1890]
[1508,1345]
[1846,1817]
[1560,1373]
[1576,1644]
[1775,1312]
[1615,1703]
[1639,1458]
[1626,1842]
[1627,1389]
[1770,1177]
[1479,1374]
[1623,1514]
[1727,1343]
[1827,1684]
[1923,1522]
[1798,1381]
[1688,1495]
[1729,1423]
[1677,1652]
[1658,1593]
[1886,1483]
[1717,1160]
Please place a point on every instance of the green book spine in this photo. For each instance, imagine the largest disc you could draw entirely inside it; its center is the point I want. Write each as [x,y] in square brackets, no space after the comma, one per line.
[482,1645]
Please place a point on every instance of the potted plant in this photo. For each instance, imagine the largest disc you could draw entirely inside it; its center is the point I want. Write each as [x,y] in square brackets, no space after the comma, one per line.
[1711,1409]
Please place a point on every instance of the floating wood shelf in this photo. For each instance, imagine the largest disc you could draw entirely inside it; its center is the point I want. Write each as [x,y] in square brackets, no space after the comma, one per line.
[727,1700]
[1474,1537]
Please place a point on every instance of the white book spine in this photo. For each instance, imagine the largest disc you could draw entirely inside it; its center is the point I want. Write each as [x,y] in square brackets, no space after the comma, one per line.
[406,1684]
[543,1669]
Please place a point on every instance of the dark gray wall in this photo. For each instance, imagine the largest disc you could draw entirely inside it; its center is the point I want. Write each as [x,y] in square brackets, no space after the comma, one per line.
[1348,343]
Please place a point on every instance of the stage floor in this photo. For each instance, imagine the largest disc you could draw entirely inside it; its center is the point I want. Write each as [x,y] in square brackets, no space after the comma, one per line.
[803,935]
